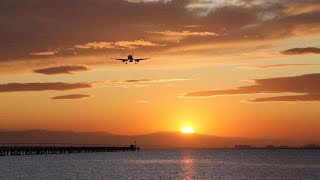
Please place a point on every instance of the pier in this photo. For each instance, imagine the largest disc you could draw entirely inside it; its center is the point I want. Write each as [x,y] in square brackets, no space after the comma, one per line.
[16,150]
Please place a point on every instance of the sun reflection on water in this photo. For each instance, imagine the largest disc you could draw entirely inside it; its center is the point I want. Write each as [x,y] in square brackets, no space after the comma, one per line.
[187,163]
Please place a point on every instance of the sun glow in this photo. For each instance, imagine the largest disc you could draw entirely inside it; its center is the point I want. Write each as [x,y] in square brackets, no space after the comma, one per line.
[187,130]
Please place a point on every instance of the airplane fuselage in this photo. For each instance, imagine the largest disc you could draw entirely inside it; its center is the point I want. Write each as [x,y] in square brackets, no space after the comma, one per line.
[130,58]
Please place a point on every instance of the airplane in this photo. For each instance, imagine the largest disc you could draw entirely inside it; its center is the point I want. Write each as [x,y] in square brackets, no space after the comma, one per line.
[130,59]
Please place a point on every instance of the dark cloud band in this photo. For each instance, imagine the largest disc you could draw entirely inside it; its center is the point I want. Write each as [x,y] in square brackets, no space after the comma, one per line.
[71,97]
[61,70]
[278,66]
[55,86]
[298,51]
[305,84]
[304,97]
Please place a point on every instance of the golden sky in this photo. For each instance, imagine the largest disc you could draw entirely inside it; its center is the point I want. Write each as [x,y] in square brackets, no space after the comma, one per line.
[241,68]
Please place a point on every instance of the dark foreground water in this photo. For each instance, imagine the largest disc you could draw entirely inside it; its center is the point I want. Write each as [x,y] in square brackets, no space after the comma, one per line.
[167,164]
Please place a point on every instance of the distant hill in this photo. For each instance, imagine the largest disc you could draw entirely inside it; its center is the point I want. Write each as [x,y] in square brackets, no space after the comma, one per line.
[161,139]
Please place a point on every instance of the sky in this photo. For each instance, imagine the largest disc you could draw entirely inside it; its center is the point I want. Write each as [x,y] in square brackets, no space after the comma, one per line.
[239,68]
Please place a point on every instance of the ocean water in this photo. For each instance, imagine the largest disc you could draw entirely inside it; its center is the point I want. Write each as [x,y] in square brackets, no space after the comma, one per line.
[166,164]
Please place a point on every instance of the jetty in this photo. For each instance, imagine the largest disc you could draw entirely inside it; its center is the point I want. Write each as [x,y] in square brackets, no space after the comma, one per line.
[16,149]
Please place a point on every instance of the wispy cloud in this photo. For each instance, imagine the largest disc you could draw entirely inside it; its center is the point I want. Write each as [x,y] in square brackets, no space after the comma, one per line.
[277,66]
[117,45]
[193,26]
[298,51]
[44,53]
[96,45]
[150,80]
[60,86]
[53,86]
[304,97]
[71,97]
[305,84]
[182,33]
[135,44]
[143,102]
[70,69]
[301,7]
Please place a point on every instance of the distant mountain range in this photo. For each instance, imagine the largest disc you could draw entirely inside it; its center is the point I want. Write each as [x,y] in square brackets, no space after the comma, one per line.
[160,139]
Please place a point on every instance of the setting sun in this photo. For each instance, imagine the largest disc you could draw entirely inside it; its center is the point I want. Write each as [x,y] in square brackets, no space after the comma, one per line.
[187,130]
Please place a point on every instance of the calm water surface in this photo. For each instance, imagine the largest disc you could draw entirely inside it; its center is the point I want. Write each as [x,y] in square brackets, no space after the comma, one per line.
[167,164]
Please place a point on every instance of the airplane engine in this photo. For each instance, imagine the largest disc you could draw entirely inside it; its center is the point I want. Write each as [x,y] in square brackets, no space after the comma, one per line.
[123,61]
[137,60]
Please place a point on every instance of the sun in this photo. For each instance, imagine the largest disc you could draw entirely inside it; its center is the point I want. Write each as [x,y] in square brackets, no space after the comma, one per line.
[187,130]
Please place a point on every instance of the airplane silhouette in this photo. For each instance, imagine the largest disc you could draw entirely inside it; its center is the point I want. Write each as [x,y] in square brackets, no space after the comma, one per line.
[130,59]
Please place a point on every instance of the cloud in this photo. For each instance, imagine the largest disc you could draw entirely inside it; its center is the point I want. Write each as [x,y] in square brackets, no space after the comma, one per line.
[135,44]
[304,97]
[177,36]
[193,26]
[52,86]
[150,80]
[45,53]
[303,84]
[298,51]
[61,70]
[139,1]
[143,102]
[182,33]
[60,86]
[117,45]
[71,97]
[101,29]
[139,82]
[279,66]
[96,45]
[302,7]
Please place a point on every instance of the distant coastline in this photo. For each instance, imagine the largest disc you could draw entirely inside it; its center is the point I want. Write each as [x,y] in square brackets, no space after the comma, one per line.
[309,146]
[160,140]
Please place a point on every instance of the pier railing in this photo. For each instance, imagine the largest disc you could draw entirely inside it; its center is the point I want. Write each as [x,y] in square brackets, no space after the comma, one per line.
[38,149]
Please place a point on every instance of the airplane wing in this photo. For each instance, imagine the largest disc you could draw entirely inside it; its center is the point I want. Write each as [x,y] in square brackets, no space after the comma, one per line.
[119,59]
[142,59]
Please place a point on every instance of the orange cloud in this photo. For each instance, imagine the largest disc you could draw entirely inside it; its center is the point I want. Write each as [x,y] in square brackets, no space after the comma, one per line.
[298,51]
[60,86]
[96,45]
[296,8]
[278,66]
[45,53]
[193,26]
[117,45]
[143,102]
[61,70]
[101,29]
[183,33]
[304,97]
[304,84]
[71,97]
[151,80]
[55,86]
[135,44]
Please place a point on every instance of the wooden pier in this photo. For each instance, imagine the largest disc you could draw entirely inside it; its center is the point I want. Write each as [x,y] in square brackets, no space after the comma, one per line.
[15,150]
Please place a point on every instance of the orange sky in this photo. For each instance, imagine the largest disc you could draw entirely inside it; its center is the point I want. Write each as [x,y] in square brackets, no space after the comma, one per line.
[244,69]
